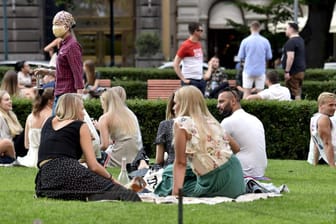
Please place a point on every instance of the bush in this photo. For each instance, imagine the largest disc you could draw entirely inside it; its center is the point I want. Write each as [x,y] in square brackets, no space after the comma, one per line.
[286,123]
[148,43]
[310,89]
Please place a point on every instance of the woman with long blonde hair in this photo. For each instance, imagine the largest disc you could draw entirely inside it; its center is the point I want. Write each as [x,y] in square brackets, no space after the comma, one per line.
[205,164]
[119,129]
[10,127]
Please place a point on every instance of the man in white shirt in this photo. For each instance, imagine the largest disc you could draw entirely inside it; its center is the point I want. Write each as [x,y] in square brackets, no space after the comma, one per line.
[323,131]
[247,130]
[274,92]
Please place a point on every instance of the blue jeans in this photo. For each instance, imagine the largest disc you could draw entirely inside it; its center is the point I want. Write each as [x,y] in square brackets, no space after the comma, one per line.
[54,105]
[200,84]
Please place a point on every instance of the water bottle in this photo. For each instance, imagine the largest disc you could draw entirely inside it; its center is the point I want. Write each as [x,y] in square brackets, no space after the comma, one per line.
[123,176]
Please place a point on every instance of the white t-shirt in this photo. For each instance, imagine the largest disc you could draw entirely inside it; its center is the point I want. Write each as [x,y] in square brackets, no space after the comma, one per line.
[316,140]
[275,92]
[249,133]
[23,79]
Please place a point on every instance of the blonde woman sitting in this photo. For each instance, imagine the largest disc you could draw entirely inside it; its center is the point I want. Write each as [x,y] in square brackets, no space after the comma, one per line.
[10,127]
[205,164]
[119,129]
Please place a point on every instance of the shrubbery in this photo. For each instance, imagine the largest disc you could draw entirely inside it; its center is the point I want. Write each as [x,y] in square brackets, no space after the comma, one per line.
[286,123]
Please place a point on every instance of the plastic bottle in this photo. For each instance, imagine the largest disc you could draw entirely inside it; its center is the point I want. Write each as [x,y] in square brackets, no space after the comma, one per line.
[123,176]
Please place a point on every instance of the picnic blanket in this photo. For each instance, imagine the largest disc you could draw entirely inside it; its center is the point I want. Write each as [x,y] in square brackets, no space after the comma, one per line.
[152,198]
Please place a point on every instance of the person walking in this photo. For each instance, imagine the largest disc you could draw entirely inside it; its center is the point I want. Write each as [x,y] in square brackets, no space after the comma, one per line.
[69,65]
[254,51]
[294,60]
[191,55]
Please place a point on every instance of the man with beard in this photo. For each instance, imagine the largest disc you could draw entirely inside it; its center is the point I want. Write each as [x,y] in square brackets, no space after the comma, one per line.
[247,130]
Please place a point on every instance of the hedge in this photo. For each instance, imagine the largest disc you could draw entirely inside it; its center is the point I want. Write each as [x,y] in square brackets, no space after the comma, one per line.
[286,123]
[153,73]
[143,74]
[310,89]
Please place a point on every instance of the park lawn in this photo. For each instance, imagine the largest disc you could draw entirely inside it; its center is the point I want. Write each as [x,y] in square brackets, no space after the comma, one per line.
[312,199]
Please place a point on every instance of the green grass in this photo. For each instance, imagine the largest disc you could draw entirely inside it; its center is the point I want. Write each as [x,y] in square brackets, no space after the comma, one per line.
[312,200]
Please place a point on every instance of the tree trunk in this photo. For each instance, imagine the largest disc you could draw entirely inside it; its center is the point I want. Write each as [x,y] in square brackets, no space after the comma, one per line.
[315,33]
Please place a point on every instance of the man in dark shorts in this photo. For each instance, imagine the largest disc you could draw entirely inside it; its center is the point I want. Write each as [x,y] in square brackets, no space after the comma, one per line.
[294,60]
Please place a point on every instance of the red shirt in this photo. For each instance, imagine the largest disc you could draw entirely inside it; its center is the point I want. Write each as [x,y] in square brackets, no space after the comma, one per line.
[69,67]
[192,57]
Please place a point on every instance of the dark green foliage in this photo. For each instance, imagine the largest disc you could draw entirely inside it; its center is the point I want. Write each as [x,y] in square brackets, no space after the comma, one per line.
[286,123]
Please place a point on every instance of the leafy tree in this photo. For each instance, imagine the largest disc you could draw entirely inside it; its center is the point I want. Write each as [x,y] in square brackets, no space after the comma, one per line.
[316,31]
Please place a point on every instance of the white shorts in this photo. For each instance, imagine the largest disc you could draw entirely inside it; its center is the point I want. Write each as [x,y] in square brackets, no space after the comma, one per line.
[258,80]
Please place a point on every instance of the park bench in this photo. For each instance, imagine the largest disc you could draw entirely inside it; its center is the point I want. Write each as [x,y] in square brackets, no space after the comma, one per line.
[163,88]
[105,83]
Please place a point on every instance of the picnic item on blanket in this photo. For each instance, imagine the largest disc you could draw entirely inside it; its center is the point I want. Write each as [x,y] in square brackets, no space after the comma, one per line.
[137,184]
[123,175]
[153,198]
[254,186]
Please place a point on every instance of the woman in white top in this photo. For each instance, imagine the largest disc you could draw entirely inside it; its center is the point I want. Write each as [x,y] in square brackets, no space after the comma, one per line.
[119,129]
[23,72]
[42,108]
[204,165]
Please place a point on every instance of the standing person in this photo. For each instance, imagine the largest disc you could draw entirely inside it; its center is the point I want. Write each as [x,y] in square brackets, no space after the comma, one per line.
[191,55]
[323,131]
[52,49]
[215,77]
[69,66]
[41,111]
[254,52]
[247,130]
[294,60]
[199,139]
[64,138]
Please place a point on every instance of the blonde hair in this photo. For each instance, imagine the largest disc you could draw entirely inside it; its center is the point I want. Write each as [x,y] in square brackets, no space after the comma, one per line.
[90,72]
[13,123]
[120,92]
[10,83]
[68,106]
[323,97]
[122,119]
[192,104]
[170,114]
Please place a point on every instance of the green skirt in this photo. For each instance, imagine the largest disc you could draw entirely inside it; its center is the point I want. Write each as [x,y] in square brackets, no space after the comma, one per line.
[226,180]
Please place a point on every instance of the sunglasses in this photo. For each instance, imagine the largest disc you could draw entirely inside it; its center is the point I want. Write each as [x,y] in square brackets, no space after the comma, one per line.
[199,30]
[234,91]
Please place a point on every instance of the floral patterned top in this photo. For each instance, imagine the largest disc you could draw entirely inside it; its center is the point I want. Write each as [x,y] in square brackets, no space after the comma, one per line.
[216,152]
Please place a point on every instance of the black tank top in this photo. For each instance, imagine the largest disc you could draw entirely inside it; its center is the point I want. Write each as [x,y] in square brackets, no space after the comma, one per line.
[64,142]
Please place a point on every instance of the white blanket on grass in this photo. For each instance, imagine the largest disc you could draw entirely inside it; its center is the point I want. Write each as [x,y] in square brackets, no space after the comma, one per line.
[150,197]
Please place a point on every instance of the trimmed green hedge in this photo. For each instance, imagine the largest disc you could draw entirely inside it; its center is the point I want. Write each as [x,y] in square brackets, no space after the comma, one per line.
[143,74]
[310,89]
[153,73]
[286,123]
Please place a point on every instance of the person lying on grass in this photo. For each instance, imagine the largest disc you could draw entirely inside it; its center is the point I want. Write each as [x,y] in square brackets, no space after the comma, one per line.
[199,139]
[64,138]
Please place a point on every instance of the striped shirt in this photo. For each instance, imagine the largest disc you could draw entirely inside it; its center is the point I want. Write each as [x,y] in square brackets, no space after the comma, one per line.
[69,67]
